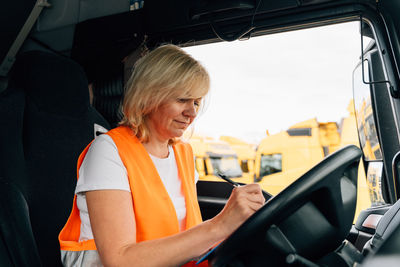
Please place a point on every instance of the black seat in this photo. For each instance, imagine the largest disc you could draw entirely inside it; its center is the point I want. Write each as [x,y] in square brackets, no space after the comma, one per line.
[17,245]
[387,224]
[50,121]
[383,248]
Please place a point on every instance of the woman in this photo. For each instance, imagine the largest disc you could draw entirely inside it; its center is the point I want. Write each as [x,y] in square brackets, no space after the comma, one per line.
[137,182]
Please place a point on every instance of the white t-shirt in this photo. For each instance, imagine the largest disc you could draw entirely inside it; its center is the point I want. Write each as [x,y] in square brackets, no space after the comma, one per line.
[103,169]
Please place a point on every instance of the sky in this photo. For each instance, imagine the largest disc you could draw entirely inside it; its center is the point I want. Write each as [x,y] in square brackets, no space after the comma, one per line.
[274,81]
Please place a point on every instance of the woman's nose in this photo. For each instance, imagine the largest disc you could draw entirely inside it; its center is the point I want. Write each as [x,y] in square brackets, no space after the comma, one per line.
[191,109]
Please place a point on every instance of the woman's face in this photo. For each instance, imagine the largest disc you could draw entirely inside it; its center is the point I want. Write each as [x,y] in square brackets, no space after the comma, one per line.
[171,119]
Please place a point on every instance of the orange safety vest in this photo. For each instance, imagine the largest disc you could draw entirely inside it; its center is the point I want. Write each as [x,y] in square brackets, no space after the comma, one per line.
[148,194]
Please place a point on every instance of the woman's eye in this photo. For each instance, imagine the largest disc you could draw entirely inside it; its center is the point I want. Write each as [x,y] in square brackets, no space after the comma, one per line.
[196,102]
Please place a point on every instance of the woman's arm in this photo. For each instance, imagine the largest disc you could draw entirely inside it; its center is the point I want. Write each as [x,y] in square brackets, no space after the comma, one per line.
[113,223]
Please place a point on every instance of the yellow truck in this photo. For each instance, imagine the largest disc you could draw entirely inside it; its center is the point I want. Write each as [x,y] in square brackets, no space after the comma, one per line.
[216,156]
[283,157]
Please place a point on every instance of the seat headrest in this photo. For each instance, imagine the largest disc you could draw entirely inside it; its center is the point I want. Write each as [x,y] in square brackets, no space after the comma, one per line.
[54,83]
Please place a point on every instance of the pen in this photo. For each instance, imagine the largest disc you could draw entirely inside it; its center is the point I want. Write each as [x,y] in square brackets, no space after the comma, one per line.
[233,183]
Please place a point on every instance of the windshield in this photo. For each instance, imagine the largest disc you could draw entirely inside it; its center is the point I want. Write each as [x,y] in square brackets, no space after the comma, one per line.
[270,164]
[229,166]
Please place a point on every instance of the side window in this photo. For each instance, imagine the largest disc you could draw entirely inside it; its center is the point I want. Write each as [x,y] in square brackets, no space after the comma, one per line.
[271,164]
[206,171]
[244,165]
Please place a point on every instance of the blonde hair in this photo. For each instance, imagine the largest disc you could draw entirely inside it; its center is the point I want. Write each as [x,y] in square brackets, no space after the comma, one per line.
[164,74]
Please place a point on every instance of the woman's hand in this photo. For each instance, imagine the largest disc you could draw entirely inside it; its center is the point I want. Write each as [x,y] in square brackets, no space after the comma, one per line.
[113,223]
[243,202]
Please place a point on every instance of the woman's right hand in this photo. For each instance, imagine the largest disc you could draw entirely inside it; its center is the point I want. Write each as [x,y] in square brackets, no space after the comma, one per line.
[243,202]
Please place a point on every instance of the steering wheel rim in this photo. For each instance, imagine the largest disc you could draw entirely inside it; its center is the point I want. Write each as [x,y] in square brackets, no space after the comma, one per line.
[327,191]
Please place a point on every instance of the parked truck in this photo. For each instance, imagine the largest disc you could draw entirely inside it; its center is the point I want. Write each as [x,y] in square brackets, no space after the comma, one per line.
[216,156]
[283,157]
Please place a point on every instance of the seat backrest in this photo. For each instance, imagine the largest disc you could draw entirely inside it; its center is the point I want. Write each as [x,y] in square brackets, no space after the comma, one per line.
[57,123]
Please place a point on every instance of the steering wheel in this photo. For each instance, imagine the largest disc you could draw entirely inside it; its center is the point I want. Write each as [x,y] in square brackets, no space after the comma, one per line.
[302,224]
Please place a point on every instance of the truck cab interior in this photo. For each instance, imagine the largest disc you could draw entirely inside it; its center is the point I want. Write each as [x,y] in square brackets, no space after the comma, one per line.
[52,52]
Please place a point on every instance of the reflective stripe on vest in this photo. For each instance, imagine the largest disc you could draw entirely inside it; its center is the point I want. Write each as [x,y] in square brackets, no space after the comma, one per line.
[148,193]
